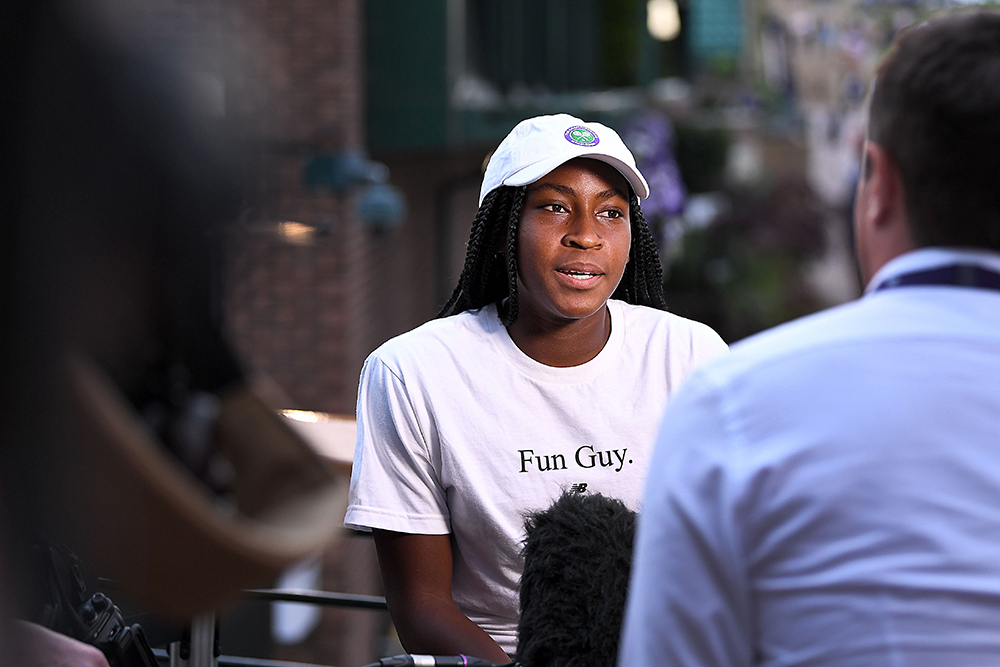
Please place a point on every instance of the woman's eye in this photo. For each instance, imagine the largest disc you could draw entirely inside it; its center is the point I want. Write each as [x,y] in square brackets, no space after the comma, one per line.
[612,213]
[555,208]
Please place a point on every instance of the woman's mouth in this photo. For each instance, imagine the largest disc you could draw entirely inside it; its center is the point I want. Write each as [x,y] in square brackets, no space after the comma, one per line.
[580,277]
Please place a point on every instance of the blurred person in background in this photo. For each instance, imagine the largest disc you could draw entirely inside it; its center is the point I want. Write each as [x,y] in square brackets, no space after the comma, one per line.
[111,197]
[547,370]
[827,494]
[111,347]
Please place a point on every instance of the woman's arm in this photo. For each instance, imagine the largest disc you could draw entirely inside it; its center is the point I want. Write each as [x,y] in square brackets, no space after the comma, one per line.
[416,573]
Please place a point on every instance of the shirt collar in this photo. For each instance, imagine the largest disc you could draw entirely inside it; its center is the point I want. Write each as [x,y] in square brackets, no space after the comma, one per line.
[931,258]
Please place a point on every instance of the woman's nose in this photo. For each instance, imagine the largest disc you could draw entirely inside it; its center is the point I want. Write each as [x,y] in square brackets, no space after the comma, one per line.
[583,232]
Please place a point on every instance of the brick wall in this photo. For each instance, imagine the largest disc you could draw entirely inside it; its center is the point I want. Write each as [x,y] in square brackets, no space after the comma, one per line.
[290,75]
[290,309]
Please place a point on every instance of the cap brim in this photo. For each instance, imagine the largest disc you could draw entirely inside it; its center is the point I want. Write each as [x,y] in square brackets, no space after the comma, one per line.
[535,171]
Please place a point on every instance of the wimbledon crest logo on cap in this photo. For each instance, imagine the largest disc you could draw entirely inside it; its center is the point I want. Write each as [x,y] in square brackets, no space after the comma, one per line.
[581,136]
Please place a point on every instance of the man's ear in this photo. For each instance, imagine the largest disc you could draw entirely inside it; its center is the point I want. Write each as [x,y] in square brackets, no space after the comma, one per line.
[884,202]
[882,227]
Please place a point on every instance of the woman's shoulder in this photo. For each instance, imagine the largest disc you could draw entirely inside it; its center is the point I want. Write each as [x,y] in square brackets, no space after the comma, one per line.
[654,324]
[453,337]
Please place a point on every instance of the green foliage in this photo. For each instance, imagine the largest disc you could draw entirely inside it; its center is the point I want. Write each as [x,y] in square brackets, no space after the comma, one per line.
[744,273]
[701,156]
[620,41]
[722,66]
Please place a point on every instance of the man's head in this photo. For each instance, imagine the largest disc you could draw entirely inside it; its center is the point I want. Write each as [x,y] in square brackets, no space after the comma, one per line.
[933,140]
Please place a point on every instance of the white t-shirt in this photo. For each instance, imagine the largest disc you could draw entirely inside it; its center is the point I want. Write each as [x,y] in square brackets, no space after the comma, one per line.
[829,493]
[461,432]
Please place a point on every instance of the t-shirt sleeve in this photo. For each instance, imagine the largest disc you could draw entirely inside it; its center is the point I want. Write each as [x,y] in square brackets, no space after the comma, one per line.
[706,345]
[689,603]
[693,344]
[394,483]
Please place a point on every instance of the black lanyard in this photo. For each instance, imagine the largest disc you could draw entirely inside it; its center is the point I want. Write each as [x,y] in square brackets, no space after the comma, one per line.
[958,275]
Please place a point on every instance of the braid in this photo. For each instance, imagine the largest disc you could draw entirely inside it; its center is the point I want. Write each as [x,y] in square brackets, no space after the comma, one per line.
[473,258]
[486,278]
[491,278]
[513,220]
[642,283]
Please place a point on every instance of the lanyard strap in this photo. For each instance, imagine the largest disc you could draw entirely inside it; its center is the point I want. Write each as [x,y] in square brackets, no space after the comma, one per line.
[959,275]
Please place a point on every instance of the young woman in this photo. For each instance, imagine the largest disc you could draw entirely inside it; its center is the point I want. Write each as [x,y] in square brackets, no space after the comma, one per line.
[548,370]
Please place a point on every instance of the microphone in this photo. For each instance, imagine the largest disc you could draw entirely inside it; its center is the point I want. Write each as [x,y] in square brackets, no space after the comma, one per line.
[412,660]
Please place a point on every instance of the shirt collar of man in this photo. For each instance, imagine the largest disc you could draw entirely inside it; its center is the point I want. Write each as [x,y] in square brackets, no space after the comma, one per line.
[928,258]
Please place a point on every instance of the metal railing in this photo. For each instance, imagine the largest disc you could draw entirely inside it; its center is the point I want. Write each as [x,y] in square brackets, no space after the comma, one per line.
[316,597]
[304,596]
[227,660]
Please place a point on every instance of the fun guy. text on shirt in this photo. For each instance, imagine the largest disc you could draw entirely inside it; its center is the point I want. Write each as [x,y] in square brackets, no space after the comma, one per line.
[584,457]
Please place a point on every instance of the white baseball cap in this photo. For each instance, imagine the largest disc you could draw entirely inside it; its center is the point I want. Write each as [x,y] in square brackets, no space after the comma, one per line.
[538,145]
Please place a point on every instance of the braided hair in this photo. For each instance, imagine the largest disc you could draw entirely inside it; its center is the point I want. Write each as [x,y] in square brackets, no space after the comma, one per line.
[490,276]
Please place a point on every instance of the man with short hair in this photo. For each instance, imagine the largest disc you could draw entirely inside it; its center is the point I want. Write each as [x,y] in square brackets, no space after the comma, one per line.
[829,493]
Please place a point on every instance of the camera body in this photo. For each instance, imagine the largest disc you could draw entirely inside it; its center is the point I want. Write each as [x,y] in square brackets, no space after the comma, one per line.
[104,627]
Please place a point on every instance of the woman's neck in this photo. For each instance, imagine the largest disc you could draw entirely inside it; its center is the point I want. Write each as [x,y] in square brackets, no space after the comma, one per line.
[561,344]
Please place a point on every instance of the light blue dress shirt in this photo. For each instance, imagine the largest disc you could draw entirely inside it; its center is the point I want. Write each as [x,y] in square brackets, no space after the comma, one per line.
[829,493]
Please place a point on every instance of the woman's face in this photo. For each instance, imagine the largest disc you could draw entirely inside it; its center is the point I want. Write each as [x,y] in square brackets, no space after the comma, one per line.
[573,242]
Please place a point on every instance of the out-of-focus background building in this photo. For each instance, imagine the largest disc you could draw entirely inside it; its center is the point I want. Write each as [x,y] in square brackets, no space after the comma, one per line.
[365,125]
